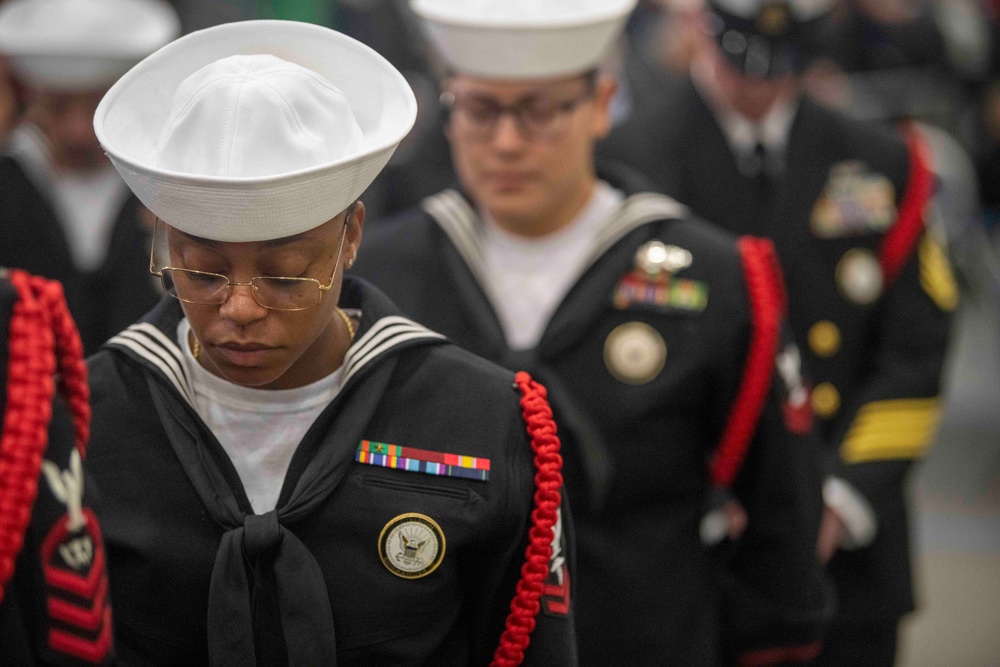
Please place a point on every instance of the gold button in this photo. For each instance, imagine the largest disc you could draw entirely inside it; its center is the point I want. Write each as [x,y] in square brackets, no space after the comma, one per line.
[824,338]
[825,400]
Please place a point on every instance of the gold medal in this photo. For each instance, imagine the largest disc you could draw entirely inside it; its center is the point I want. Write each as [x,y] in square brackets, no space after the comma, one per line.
[859,276]
[634,353]
[824,339]
[411,545]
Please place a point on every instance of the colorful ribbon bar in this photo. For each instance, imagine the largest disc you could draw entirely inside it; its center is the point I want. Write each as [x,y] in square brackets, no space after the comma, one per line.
[422,460]
[664,292]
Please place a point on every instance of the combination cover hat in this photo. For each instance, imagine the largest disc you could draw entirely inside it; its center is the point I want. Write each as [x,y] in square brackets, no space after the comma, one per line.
[523,39]
[767,38]
[82,44]
[255,130]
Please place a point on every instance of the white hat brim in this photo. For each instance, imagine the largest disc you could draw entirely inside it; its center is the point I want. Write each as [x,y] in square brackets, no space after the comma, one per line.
[82,44]
[131,116]
[523,48]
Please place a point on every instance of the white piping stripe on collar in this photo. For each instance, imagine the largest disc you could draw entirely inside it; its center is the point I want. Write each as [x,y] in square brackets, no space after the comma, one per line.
[375,353]
[384,335]
[453,214]
[149,343]
[636,211]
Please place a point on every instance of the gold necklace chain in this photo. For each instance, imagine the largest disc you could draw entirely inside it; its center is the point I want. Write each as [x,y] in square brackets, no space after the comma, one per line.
[196,346]
[347,322]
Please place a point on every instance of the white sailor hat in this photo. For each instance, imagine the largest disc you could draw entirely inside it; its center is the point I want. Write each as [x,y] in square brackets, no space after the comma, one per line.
[767,38]
[523,39]
[254,130]
[82,44]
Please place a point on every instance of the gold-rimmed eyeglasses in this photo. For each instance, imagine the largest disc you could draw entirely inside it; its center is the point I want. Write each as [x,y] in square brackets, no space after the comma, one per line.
[272,292]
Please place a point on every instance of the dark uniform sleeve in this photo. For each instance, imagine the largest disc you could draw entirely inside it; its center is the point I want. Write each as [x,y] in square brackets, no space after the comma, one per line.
[57,610]
[775,599]
[887,423]
[60,586]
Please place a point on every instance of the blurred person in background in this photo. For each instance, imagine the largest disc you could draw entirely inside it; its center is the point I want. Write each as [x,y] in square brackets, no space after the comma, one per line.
[65,213]
[656,335]
[870,289]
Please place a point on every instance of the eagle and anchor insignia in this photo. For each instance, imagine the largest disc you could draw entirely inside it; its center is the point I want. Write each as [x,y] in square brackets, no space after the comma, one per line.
[411,545]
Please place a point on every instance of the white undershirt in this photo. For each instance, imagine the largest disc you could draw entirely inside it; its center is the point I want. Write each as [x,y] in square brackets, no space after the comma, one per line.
[86,203]
[260,429]
[530,276]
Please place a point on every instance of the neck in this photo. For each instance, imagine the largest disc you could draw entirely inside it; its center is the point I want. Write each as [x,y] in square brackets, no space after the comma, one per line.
[544,223]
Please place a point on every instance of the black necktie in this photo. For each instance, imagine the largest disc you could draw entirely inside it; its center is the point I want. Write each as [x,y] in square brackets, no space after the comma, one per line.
[762,180]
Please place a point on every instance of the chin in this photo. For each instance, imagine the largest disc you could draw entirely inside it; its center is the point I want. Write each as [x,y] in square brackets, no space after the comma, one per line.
[254,378]
[512,207]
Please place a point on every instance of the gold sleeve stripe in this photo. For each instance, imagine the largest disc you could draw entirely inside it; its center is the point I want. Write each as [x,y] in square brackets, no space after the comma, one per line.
[892,429]
[935,275]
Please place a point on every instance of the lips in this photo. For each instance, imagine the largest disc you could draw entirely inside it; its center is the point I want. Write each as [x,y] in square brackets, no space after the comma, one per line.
[243,354]
[509,180]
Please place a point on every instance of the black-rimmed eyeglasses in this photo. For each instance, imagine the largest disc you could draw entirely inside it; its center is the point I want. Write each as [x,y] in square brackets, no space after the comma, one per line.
[536,118]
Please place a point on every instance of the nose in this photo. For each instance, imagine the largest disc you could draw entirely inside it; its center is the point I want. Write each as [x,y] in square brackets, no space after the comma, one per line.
[240,307]
[507,135]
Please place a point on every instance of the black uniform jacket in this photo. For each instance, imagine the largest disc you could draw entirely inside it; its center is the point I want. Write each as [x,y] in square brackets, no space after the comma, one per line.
[346,565]
[103,301]
[54,609]
[636,436]
[874,354]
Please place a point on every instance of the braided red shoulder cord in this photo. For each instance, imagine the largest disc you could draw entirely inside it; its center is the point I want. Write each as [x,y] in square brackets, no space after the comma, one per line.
[900,240]
[548,482]
[767,305]
[43,337]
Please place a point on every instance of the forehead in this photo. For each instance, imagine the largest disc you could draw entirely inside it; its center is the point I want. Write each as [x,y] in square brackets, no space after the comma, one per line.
[504,90]
[308,239]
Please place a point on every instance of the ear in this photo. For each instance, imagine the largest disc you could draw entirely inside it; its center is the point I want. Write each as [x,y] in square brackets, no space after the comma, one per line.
[446,86]
[604,92]
[355,226]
